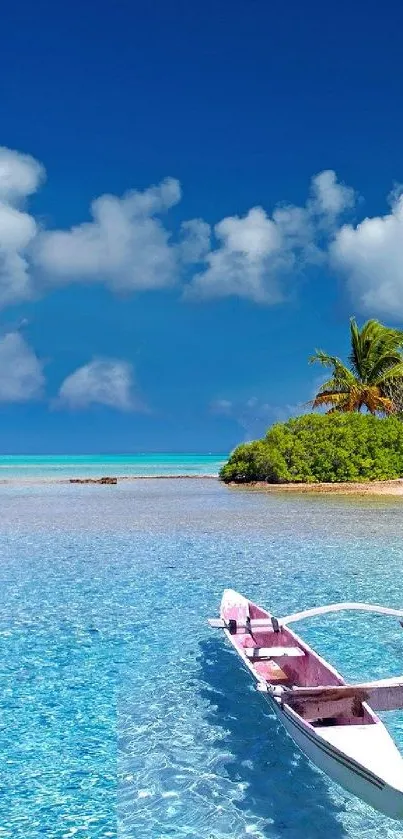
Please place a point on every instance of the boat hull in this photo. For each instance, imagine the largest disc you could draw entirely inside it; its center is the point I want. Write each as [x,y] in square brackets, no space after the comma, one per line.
[361,758]
[349,774]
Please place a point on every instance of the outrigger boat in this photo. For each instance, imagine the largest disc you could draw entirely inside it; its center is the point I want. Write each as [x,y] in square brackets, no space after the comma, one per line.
[332,722]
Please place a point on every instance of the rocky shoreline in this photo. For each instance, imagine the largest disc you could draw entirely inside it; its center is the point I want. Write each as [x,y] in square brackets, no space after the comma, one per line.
[392,488]
[107,480]
[113,481]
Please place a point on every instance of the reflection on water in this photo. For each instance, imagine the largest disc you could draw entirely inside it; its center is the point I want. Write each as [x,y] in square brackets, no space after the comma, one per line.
[287,796]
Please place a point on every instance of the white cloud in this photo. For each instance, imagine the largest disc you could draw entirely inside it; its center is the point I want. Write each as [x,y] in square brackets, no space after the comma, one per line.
[371,255]
[246,262]
[195,243]
[101,382]
[127,247]
[20,176]
[329,197]
[21,372]
[124,246]
[255,252]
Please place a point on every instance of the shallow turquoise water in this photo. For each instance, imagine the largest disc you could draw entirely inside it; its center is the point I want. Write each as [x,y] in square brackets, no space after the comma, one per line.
[60,466]
[120,708]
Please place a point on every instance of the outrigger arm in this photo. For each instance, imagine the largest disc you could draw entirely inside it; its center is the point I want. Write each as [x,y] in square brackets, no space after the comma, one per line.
[340,607]
[324,701]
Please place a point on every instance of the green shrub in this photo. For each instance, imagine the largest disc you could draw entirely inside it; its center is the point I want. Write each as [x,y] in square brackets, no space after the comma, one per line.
[317,447]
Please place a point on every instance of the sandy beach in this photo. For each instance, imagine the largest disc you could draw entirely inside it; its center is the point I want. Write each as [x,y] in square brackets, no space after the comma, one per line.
[369,488]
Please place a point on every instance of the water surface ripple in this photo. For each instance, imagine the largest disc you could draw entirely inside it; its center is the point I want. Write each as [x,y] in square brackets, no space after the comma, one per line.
[120,710]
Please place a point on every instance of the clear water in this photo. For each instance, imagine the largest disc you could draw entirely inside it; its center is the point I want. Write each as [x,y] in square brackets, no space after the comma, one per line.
[121,711]
[33,467]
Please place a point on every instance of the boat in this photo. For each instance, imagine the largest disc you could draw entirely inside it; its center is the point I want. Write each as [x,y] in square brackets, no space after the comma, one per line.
[334,723]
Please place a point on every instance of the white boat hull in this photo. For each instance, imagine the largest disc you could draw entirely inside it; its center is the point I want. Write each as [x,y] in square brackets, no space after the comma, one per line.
[362,758]
[352,775]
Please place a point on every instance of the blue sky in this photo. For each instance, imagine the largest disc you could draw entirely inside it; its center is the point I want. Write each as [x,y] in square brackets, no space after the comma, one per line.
[245,160]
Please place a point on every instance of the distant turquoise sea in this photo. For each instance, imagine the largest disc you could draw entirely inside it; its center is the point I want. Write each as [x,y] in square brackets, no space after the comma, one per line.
[33,467]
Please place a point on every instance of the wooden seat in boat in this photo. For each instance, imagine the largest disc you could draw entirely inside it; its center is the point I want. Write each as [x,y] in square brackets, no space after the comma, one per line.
[263,653]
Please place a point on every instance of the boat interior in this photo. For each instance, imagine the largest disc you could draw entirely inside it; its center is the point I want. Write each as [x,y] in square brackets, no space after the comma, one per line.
[281,658]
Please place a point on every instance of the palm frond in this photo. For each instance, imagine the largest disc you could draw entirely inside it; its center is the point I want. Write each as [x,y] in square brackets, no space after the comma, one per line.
[374,348]
[324,359]
[376,362]
[384,366]
[393,372]
[330,397]
[376,403]
[355,355]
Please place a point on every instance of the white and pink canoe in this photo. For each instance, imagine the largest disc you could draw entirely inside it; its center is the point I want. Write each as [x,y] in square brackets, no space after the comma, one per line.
[334,723]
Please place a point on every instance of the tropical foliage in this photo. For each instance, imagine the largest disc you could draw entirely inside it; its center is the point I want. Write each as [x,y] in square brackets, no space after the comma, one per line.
[322,447]
[374,374]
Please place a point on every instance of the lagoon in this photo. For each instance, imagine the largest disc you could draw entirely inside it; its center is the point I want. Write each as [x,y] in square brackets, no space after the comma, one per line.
[121,710]
[61,467]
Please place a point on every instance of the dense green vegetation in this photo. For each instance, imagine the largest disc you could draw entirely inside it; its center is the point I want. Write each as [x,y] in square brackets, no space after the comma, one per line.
[374,374]
[314,447]
[342,445]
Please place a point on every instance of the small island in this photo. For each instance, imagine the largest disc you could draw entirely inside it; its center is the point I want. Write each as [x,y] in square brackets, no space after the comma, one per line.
[344,450]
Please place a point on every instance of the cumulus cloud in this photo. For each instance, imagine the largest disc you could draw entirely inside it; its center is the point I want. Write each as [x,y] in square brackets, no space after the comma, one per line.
[255,252]
[330,198]
[246,262]
[21,372]
[195,240]
[101,382]
[20,176]
[125,245]
[371,256]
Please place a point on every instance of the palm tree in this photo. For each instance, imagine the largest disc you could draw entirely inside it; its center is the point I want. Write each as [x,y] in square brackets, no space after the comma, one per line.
[375,368]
